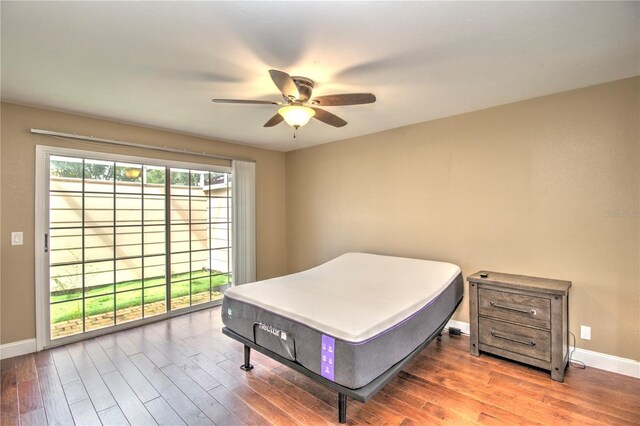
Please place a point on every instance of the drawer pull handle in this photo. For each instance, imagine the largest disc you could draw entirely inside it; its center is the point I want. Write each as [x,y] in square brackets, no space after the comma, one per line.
[511,308]
[511,339]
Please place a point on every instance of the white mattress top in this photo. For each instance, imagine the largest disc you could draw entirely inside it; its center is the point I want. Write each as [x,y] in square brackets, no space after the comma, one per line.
[353,297]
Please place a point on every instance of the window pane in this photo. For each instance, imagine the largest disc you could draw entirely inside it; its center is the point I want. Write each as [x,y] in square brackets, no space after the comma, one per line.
[98,176]
[128,306]
[65,278]
[180,209]
[98,312]
[128,274]
[129,178]
[129,209]
[199,234]
[200,287]
[199,212]
[200,262]
[65,173]
[68,167]
[219,283]
[155,301]
[220,260]
[154,274]
[128,241]
[65,209]
[180,294]
[180,237]
[99,277]
[66,318]
[65,246]
[98,243]
[179,182]
[180,266]
[154,270]
[98,210]
[154,240]
[65,286]
[220,236]
[154,209]
[154,180]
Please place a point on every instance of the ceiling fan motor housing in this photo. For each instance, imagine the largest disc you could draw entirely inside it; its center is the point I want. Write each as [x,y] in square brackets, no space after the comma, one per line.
[305,87]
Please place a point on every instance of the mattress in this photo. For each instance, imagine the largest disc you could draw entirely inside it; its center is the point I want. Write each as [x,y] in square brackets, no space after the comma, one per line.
[349,319]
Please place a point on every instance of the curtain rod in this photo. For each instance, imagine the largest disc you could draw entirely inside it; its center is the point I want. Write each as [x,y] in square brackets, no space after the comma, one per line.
[133,145]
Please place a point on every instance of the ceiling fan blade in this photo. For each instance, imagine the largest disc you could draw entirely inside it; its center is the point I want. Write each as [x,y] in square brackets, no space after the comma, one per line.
[243,101]
[274,121]
[285,84]
[327,117]
[344,99]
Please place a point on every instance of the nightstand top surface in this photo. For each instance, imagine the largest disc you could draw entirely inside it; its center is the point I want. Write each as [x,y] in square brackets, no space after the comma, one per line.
[524,282]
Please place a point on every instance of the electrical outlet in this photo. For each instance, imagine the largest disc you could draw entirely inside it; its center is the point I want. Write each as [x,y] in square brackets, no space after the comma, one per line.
[585,332]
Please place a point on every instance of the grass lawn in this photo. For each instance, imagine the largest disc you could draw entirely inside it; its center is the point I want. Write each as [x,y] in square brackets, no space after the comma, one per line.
[100,299]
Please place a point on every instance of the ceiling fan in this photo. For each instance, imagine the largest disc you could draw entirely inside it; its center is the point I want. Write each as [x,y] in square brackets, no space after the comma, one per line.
[299,107]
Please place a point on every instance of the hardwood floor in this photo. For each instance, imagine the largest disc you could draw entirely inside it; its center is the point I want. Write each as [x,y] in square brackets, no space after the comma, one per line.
[184,371]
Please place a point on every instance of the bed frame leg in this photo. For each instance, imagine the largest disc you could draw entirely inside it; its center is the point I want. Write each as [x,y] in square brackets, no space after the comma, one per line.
[342,407]
[247,359]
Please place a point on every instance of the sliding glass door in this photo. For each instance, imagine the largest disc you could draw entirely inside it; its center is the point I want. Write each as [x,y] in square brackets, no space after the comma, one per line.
[130,240]
[200,236]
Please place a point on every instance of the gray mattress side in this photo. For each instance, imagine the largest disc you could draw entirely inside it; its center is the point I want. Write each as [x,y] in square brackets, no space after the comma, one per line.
[356,364]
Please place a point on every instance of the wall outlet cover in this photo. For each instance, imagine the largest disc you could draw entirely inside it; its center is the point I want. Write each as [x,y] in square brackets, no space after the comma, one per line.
[585,332]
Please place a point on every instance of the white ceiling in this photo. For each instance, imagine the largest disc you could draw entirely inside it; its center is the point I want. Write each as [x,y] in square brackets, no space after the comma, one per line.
[159,64]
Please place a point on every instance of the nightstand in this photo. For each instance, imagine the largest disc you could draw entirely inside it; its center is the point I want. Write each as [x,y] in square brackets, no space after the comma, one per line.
[522,318]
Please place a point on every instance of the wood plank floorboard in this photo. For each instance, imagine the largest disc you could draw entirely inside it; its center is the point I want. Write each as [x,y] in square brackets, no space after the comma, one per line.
[113,417]
[132,408]
[29,397]
[134,378]
[96,389]
[55,404]
[35,418]
[9,396]
[163,413]
[84,413]
[184,371]
[181,404]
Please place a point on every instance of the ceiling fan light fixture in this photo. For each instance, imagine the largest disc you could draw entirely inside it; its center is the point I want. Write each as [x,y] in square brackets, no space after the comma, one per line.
[296,115]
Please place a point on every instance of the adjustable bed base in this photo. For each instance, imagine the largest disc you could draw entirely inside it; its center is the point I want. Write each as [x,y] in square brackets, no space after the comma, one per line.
[350,324]
[362,394]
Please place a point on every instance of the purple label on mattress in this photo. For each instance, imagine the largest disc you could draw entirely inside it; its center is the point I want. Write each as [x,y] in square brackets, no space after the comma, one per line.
[327,357]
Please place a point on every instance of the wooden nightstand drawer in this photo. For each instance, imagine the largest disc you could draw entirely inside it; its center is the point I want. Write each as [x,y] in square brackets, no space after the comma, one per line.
[514,307]
[515,338]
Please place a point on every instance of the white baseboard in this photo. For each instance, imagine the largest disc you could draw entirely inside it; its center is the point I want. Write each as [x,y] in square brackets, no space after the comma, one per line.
[612,363]
[607,362]
[21,347]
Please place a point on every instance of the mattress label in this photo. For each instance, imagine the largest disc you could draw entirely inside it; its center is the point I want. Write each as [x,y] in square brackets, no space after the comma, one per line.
[276,340]
[327,357]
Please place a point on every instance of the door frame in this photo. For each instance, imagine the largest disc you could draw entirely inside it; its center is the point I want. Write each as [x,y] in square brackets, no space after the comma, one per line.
[43,326]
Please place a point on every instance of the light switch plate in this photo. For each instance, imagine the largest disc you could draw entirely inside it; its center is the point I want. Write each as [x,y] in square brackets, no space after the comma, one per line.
[16,239]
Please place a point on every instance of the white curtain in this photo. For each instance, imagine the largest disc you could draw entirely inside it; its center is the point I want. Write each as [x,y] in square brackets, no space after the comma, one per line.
[244,221]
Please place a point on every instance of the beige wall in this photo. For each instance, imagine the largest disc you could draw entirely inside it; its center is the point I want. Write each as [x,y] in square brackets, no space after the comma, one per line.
[546,187]
[533,187]
[17,199]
